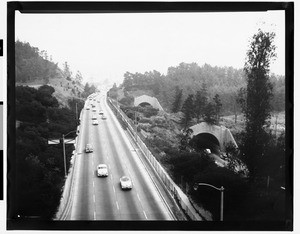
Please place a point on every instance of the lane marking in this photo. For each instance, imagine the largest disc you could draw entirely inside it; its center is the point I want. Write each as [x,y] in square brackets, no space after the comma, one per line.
[145,214]
[94,215]
[93,184]
[114,189]
[138,197]
[94,198]
[117,205]
[111,177]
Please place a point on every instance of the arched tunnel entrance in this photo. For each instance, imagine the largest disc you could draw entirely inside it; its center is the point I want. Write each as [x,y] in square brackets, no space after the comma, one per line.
[145,104]
[204,141]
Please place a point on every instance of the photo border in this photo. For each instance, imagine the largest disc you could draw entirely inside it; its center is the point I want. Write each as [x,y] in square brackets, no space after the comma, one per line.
[15,223]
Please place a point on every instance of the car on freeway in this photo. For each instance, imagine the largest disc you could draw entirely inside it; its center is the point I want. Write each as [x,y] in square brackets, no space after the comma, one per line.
[87,108]
[94,109]
[88,148]
[94,116]
[95,122]
[101,112]
[102,170]
[125,182]
[103,117]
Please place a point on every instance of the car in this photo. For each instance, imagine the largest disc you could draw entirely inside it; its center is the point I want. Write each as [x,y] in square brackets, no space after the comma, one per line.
[95,122]
[88,148]
[103,117]
[87,108]
[94,109]
[102,170]
[125,182]
[101,112]
[94,116]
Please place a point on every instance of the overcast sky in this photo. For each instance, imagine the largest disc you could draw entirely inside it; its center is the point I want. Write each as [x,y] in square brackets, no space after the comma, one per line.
[104,46]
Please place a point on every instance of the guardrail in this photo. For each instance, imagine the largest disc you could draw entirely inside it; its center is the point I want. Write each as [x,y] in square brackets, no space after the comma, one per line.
[171,186]
[66,198]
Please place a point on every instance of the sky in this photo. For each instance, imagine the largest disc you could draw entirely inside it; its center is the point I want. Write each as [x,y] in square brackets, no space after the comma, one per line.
[105,46]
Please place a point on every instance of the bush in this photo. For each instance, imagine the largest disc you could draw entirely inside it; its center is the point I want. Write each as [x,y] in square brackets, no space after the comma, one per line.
[127,101]
[39,167]
[145,120]
[149,111]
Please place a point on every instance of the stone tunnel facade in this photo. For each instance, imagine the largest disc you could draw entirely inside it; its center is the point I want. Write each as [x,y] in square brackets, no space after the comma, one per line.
[222,133]
[151,100]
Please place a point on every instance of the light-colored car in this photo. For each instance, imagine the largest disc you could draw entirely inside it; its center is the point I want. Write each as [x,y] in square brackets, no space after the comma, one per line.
[95,122]
[101,112]
[87,108]
[103,117]
[125,182]
[102,170]
[94,116]
[88,148]
[94,110]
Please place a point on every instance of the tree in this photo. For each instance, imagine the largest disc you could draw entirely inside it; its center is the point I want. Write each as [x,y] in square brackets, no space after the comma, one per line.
[188,110]
[209,114]
[67,71]
[177,100]
[255,98]
[218,106]
[201,101]
[78,77]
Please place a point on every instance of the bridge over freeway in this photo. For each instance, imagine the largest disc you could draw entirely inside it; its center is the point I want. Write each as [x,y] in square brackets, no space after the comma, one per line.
[219,135]
[148,99]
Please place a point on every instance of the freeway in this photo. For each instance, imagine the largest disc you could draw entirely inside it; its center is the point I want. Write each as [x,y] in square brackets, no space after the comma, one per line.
[101,198]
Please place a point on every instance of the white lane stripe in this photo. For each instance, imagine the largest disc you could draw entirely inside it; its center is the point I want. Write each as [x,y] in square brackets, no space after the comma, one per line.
[117,205]
[138,197]
[94,215]
[145,214]
[111,176]
[114,189]
[93,184]
[94,198]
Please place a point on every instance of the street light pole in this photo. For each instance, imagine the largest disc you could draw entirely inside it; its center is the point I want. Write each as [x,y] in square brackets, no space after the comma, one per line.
[64,151]
[222,196]
[222,203]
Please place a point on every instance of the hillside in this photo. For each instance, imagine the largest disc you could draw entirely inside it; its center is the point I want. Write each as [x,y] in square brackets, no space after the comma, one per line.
[224,81]
[34,68]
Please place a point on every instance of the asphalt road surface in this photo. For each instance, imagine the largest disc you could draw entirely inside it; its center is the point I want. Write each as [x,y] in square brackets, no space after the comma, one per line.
[101,198]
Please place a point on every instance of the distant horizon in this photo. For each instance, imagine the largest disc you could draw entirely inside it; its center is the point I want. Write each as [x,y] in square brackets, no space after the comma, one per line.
[109,45]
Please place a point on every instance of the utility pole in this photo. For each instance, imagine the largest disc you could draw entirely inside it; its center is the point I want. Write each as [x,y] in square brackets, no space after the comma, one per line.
[76,111]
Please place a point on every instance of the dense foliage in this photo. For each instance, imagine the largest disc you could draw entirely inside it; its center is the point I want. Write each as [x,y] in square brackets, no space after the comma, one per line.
[32,64]
[255,99]
[39,166]
[190,77]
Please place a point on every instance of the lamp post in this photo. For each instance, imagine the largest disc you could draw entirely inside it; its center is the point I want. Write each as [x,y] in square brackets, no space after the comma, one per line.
[64,150]
[196,185]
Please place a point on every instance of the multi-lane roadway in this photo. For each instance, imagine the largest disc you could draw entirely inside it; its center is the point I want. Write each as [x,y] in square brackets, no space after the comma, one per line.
[101,198]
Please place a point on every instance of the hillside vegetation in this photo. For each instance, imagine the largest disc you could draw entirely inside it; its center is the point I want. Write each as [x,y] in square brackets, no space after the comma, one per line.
[191,94]
[35,68]
[44,111]
[190,77]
